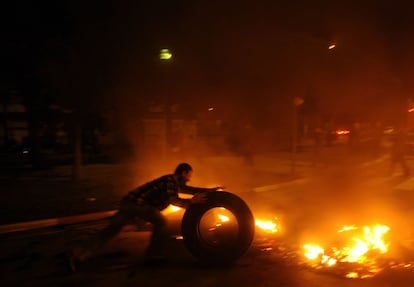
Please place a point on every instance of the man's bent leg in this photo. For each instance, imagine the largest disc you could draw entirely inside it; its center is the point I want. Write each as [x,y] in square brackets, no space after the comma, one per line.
[92,245]
[156,248]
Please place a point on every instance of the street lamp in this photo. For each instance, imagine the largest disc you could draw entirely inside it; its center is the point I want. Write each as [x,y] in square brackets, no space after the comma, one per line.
[165,54]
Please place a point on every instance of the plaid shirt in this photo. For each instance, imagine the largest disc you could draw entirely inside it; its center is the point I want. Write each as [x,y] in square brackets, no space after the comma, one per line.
[163,191]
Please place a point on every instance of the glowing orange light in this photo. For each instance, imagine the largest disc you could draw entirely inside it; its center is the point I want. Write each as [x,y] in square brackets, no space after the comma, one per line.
[359,249]
[268,225]
[210,109]
[411,110]
[331,46]
[223,218]
[342,132]
[353,275]
[313,251]
[171,209]
[297,101]
[347,228]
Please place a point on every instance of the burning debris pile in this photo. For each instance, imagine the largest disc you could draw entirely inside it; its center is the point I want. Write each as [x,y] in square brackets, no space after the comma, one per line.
[358,252]
[355,252]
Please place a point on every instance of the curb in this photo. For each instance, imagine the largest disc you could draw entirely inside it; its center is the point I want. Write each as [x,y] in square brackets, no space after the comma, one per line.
[273,187]
[24,226]
[59,221]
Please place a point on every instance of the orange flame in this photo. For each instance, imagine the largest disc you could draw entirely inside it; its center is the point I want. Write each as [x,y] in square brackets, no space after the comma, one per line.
[171,209]
[223,218]
[267,225]
[358,249]
[342,132]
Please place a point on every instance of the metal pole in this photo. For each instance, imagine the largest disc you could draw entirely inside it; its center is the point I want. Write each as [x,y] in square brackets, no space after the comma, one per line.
[294,138]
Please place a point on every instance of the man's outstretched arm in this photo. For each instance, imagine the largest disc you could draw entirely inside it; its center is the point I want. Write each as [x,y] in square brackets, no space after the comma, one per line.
[193,190]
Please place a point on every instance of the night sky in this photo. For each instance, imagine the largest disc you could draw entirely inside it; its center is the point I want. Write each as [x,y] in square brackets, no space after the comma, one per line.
[242,56]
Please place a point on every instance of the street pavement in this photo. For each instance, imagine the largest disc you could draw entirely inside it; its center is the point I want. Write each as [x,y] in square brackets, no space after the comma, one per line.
[35,258]
[50,193]
[332,183]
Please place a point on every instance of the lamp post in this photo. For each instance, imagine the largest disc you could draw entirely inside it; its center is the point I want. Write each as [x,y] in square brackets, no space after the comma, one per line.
[297,101]
[165,56]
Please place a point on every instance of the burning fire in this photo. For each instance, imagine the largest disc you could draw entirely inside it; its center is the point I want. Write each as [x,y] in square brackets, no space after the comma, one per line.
[267,226]
[342,132]
[357,252]
[171,209]
[223,218]
[361,248]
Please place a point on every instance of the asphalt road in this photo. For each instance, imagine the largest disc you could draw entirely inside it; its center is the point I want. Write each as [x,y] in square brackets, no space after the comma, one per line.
[331,195]
[34,258]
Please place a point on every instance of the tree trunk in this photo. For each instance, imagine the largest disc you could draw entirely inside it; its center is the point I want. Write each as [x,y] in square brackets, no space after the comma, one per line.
[35,153]
[77,152]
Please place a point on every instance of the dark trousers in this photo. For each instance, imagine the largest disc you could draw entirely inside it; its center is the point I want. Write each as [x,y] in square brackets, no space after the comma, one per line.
[129,212]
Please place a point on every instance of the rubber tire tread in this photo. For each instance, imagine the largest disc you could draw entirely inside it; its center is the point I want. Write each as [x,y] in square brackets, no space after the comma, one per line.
[218,255]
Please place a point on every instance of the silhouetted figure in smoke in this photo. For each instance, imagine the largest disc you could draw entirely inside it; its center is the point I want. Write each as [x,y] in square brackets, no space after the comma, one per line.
[318,138]
[377,133]
[398,152]
[240,140]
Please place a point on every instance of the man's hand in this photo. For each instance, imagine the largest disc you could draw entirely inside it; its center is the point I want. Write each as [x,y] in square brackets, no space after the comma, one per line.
[199,198]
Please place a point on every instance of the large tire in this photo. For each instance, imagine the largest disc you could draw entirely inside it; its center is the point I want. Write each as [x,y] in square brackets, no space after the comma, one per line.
[225,252]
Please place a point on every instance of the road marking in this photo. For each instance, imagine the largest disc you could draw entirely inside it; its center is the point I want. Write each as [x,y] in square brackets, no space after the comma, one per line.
[279,185]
